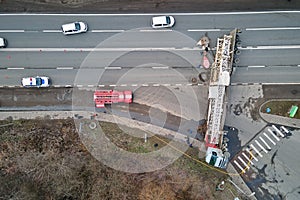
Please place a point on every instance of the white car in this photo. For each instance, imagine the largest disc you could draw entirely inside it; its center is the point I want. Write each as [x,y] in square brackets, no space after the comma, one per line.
[38,81]
[3,42]
[73,28]
[162,22]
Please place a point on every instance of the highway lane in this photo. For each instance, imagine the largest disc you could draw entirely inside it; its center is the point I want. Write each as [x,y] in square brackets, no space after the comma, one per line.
[100,59]
[125,77]
[266,75]
[284,28]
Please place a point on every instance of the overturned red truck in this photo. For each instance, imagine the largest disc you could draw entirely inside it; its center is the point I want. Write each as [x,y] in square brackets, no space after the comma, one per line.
[104,97]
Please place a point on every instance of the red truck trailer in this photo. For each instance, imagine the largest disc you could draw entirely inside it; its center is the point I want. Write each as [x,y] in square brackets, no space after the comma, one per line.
[103,97]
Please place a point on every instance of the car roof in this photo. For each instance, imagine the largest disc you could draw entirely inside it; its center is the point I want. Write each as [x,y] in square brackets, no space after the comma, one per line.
[1,41]
[70,26]
[159,20]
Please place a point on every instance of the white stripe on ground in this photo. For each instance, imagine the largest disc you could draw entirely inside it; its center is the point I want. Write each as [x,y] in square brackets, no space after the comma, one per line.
[277,130]
[107,31]
[245,164]
[269,139]
[270,131]
[252,155]
[239,166]
[261,146]
[285,130]
[12,31]
[247,158]
[273,29]
[253,147]
[52,31]
[264,142]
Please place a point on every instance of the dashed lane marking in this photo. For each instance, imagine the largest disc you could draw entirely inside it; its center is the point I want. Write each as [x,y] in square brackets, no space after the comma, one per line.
[134,85]
[269,138]
[107,31]
[123,85]
[12,31]
[155,85]
[64,67]
[15,68]
[52,31]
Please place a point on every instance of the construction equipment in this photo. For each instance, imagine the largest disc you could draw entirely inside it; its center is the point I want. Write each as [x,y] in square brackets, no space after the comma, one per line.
[103,97]
[217,153]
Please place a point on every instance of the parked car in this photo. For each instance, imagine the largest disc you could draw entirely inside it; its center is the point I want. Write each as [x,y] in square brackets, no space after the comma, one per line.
[3,42]
[162,22]
[73,28]
[37,81]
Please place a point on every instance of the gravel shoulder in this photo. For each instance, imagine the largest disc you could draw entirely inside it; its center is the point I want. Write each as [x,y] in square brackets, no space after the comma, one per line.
[145,6]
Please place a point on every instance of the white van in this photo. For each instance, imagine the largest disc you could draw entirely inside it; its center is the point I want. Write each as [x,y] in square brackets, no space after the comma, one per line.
[162,22]
[73,28]
[3,42]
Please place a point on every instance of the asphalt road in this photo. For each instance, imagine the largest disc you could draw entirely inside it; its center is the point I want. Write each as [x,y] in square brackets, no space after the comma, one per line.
[37,46]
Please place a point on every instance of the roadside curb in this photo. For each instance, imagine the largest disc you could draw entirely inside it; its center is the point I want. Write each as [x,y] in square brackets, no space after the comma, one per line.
[102,117]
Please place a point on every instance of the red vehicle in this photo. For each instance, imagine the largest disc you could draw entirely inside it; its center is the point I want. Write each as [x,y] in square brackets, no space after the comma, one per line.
[102,97]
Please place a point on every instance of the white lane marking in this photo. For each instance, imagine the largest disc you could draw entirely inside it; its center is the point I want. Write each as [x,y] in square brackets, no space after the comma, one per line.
[247,158]
[64,68]
[15,68]
[270,131]
[285,130]
[245,164]
[261,146]
[123,85]
[154,30]
[265,142]
[91,86]
[112,85]
[256,66]
[189,84]
[94,49]
[239,166]
[269,139]
[68,85]
[107,31]
[151,14]
[12,31]
[101,85]
[145,85]
[113,68]
[253,147]
[271,47]
[203,30]
[160,67]
[79,85]
[57,85]
[273,29]
[178,84]
[278,131]
[251,154]
[133,85]
[156,85]
[52,31]
[166,84]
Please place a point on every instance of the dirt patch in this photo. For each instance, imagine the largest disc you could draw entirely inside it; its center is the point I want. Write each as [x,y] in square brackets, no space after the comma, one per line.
[45,159]
[135,6]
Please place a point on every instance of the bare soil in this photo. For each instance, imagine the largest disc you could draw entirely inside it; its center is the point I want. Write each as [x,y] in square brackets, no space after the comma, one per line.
[45,159]
[142,6]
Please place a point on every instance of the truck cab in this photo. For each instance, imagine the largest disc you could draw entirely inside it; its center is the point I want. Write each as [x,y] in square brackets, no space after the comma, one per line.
[216,158]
